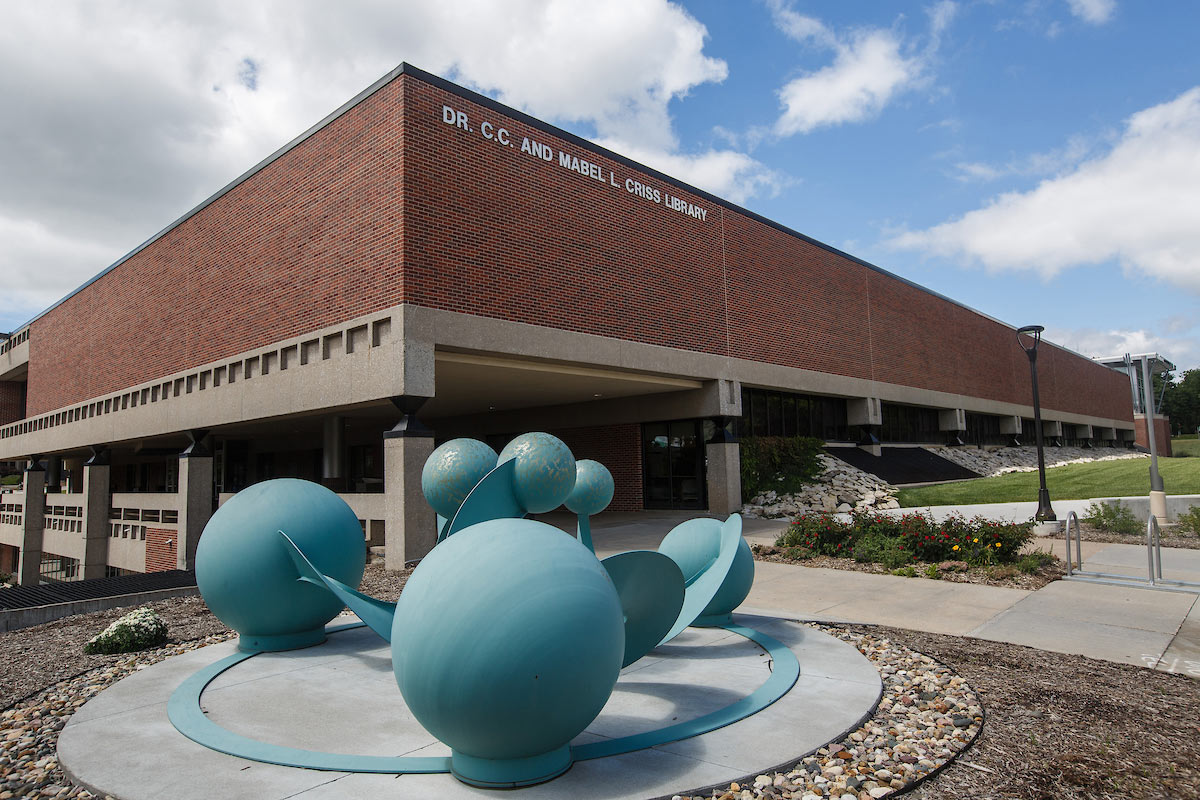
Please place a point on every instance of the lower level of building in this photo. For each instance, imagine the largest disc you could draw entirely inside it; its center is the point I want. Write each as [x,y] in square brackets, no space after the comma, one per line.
[126,482]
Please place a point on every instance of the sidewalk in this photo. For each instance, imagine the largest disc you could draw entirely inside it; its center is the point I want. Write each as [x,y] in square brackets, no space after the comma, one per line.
[1114,623]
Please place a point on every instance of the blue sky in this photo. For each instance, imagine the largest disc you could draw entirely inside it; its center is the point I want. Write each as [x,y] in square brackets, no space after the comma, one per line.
[1036,160]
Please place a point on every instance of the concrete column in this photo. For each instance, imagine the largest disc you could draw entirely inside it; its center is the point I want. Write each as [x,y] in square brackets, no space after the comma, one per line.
[411,525]
[195,498]
[1011,427]
[333,454]
[95,519]
[53,474]
[953,423]
[1084,432]
[723,473]
[867,414]
[34,518]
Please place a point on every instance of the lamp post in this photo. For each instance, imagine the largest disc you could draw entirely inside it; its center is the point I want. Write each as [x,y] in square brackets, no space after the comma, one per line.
[1044,513]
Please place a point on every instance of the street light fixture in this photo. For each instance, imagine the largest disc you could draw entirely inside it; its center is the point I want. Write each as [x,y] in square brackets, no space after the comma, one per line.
[1044,513]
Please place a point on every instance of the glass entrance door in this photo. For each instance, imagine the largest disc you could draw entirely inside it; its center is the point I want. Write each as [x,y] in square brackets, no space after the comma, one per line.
[673,455]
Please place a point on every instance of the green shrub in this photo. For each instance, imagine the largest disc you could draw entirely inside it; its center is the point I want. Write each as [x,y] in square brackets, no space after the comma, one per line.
[798,553]
[883,550]
[1113,517]
[6,577]
[11,480]
[782,464]
[932,572]
[821,533]
[137,630]
[905,572]
[1189,521]
[1032,562]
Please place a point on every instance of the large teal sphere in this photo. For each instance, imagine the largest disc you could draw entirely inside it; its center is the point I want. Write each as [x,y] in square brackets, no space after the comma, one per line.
[507,640]
[247,577]
[545,471]
[593,490]
[694,545]
[452,471]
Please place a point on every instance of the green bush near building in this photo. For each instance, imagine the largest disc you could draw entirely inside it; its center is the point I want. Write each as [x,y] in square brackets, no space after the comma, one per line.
[1113,517]
[782,464]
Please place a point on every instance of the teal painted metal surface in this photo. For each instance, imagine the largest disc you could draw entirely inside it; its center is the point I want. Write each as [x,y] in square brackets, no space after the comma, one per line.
[706,584]
[493,498]
[507,643]
[651,590]
[247,576]
[183,709]
[452,471]
[375,614]
[593,492]
[544,473]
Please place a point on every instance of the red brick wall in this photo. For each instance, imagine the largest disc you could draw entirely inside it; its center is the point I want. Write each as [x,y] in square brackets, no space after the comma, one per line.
[160,556]
[1162,434]
[618,447]
[10,402]
[311,240]
[342,225]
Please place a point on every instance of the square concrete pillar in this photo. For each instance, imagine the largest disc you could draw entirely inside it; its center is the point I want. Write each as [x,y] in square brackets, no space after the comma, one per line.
[33,517]
[952,419]
[410,530]
[195,505]
[95,520]
[864,411]
[724,477]
[1010,426]
[1052,429]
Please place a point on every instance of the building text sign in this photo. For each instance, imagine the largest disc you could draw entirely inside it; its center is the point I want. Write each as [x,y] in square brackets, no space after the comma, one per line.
[564,160]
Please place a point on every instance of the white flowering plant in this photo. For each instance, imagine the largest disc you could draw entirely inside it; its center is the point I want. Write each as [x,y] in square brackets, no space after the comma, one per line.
[137,630]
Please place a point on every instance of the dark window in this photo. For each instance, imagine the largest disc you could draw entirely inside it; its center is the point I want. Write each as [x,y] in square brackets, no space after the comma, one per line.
[673,453]
[983,429]
[770,413]
[909,424]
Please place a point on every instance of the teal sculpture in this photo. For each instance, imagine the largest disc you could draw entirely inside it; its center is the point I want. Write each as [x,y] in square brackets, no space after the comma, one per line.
[506,644]
[452,471]
[246,574]
[509,636]
[544,472]
[593,491]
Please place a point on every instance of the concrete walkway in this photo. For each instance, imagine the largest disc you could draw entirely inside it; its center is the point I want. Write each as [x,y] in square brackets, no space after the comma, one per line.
[1127,625]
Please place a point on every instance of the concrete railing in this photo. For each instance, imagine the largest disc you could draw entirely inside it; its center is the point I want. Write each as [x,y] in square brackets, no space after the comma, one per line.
[12,518]
[63,530]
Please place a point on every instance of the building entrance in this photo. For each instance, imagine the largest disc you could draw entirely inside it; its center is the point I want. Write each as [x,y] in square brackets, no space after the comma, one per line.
[673,455]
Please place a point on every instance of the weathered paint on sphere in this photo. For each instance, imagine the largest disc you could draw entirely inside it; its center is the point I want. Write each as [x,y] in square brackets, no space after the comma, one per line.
[593,490]
[545,471]
[247,577]
[507,639]
[452,471]
[694,545]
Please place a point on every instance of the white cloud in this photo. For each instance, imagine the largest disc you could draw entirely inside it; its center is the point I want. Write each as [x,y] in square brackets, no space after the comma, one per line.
[1095,12]
[871,67]
[121,116]
[1139,204]
[1037,164]
[1183,351]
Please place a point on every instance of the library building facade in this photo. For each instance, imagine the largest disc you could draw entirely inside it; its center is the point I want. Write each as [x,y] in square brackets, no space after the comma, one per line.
[426,263]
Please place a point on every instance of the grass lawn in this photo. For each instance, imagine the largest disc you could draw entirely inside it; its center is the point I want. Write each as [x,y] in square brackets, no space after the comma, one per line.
[1189,446]
[1125,478]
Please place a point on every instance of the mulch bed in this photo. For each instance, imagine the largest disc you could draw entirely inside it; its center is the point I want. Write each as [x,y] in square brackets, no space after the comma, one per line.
[1170,537]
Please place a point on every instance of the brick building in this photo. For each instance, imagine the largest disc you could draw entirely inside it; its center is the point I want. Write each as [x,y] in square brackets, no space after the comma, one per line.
[428,259]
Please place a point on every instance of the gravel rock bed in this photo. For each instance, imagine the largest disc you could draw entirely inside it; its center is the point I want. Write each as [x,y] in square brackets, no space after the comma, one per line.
[926,716]
[839,488]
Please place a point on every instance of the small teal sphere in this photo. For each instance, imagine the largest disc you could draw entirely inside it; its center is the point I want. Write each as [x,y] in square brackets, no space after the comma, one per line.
[694,545]
[593,488]
[247,577]
[452,471]
[507,640]
[545,471]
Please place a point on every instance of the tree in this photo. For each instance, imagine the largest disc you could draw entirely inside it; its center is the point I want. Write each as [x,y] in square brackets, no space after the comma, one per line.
[1182,401]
